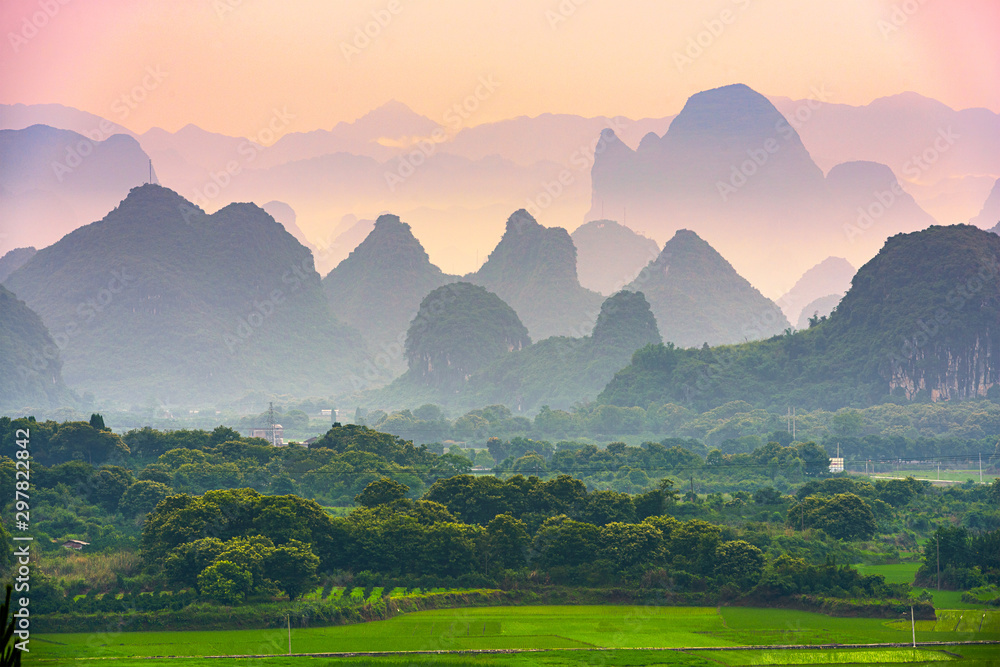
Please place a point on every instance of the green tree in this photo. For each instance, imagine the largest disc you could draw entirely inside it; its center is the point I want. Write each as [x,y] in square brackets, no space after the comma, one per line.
[740,562]
[107,486]
[560,541]
[382,491]
[292,566]
[225,582]
[506,542]
[142,498]
[631,544]
[97,421]
[693,544]
[603,507]
[184,563]
[82,441]
[449,549]
[845,516]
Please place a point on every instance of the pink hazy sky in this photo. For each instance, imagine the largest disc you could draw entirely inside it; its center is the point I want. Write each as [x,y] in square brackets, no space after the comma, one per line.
[226,65]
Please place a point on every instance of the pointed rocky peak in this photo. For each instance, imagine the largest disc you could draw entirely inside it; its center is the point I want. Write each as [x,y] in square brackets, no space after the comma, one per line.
[832,276]
[626,321]
[687,249]
[990,214]
[650,142]
[860,175]
[698,297]
[154,202]
[528,249]
[734,110]
[15,259]
[610,146]
[391,244]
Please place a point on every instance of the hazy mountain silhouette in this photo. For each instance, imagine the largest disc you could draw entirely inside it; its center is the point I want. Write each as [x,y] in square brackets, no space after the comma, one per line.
[821,307]
[989,216]
[32,376]
[558,372]
[896,131]
[698,297]
[735,171]
[610,255]
[919,323]
[15,259]
[52,181]
[20,116]
[832,276]
[285,214]
[379,287]
[159,301]
[533,269]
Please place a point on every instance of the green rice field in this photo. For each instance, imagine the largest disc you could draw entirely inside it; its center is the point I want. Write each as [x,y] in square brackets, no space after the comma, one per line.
[573,633]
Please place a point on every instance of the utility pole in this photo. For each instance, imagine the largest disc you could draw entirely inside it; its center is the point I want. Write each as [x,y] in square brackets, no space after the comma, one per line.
[288,617]
[980,467]
[913,627]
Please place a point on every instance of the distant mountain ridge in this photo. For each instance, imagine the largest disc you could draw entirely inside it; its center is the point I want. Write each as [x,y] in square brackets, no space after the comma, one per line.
[891,339]
[52,181]
[533,269]
[698,297]
[15,259]
[378,288]
[159,301]
[32,376]
[830,277]
[734,170]
[557,372]
[609,255]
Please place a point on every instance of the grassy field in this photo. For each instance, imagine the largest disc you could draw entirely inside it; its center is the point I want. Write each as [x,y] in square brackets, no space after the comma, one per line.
[932,474]
[543,627]
[897,573]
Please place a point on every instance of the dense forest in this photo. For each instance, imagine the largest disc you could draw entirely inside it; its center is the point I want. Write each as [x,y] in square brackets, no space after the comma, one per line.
[214,516]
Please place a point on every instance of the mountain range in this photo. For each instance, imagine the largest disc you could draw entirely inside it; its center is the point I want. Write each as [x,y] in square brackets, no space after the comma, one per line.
[734,170]
[53,181]
[827,281]
[610,255]
[698,298]
[533,269]
[893,337]
[487,361]
[161,302]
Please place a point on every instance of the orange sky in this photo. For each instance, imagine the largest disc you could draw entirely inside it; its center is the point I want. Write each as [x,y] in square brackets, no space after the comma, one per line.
[226,64]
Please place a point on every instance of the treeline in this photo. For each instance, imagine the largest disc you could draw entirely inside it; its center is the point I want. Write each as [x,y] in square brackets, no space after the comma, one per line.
[233,545]
[912,430]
